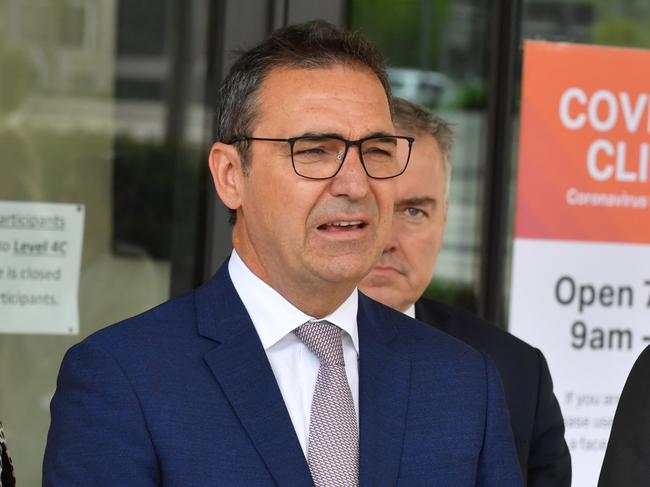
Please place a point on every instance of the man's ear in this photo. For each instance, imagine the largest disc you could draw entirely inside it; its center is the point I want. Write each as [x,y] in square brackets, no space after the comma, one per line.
[226,168]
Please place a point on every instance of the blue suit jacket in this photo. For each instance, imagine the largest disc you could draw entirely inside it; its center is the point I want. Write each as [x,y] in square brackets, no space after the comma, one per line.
[183,395]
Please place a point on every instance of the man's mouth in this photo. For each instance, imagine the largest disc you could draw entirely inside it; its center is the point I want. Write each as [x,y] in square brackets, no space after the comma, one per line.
[344,225]
[382,268]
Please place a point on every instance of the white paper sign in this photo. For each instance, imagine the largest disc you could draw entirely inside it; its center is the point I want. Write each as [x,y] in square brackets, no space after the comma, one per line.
[587,306]
[40,259]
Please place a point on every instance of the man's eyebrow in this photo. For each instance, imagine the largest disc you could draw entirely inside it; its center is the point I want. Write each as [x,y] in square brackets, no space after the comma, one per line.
[380,134]
[416,201]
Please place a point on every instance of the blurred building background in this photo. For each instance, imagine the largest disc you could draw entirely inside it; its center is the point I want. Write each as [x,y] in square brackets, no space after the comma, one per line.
[108,103]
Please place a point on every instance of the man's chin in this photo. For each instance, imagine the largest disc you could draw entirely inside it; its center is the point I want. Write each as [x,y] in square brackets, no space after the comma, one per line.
[384,295]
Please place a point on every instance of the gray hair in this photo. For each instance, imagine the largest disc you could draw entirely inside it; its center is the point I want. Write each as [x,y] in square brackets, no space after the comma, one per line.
[411,118]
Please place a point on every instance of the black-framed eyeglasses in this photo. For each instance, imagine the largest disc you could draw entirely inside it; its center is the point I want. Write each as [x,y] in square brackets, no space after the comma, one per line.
[322,156]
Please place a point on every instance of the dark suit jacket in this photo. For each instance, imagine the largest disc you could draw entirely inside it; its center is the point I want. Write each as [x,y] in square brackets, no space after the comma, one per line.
[183,395]
[535,415]
[627,458]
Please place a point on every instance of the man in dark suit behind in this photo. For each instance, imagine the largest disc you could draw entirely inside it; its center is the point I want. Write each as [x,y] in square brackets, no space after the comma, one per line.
[405,270]
[277,371]
[627,458]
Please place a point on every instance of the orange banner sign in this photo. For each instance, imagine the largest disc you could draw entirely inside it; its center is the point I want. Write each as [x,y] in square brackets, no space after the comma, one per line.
[584,151]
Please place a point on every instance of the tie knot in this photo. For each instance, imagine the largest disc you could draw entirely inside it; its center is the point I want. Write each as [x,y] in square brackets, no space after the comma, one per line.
[324,340]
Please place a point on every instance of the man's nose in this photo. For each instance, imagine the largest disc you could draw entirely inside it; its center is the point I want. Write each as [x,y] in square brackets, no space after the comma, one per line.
[351,180]
[392,240]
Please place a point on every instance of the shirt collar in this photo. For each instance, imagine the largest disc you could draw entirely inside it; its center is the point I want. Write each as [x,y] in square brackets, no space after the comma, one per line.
[410,311]
[274,317]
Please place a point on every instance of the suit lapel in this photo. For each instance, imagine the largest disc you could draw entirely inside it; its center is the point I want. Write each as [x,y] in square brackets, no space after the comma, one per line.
[384,381]
[240,366]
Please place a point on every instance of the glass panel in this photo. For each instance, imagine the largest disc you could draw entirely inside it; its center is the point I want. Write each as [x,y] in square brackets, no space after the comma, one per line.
[606,22]
[100,105]
[436,56]
[600,22]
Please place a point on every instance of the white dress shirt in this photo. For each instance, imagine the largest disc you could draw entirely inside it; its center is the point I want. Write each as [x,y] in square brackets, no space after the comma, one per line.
[410,311]
[294,366]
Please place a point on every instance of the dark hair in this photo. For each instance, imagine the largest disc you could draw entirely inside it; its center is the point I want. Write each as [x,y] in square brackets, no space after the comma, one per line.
[410,118]
[313,45]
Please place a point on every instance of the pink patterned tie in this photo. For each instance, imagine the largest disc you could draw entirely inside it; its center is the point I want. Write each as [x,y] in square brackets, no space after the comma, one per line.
[333,449]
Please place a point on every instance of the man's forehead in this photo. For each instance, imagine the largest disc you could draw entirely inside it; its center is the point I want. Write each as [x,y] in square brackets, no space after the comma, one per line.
[424,178]
[331,99]
[306,76]
[426,152]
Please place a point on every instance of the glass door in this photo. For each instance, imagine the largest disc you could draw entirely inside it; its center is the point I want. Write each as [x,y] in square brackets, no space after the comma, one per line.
[102,108]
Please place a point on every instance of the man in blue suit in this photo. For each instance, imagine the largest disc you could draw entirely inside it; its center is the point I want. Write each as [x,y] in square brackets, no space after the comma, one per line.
[277,371]
[405,269]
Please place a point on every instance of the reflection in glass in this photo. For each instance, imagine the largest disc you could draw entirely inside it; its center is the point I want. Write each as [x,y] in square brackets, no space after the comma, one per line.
[613,23]
[100,104]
